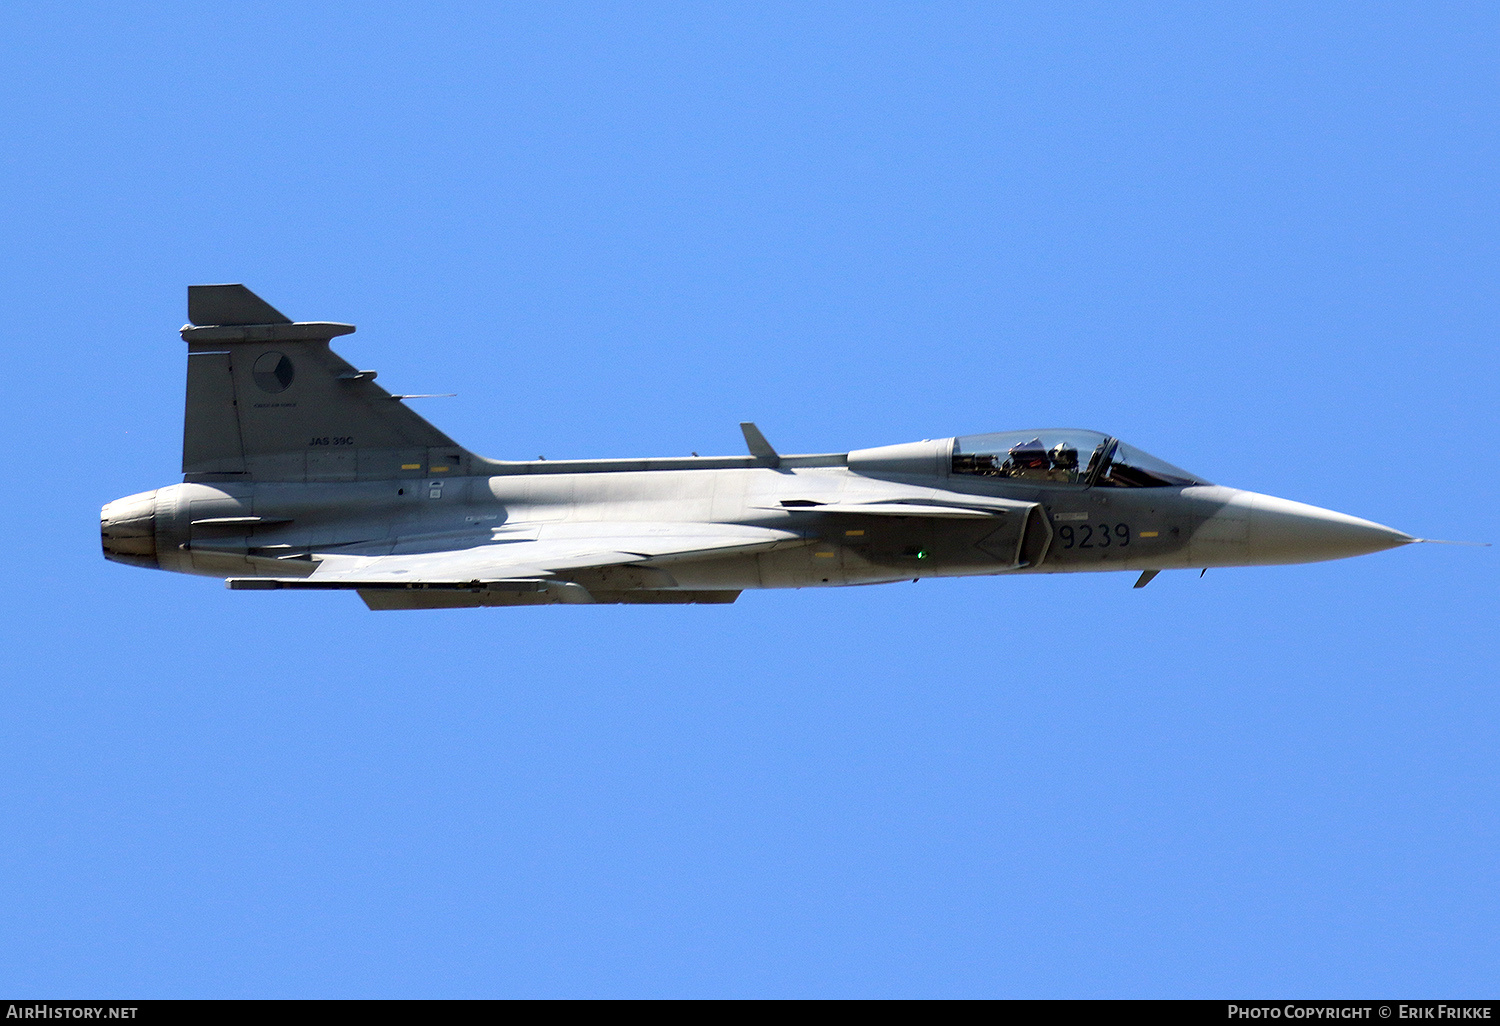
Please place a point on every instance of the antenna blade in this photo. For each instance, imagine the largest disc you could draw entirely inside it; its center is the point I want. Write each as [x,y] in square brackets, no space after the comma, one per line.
[759,447]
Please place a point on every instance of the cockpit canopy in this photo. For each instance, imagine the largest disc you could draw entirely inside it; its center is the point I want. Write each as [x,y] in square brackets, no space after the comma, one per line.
[1066,456]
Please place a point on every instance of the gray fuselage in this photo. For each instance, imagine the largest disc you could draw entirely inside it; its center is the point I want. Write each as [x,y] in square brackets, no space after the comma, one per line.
[829,505]
[300,471]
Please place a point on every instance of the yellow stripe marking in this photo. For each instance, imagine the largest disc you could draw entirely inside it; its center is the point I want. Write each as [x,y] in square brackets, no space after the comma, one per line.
[824,555]
[439,470]
[411,466]
[1148,534]
[854,534]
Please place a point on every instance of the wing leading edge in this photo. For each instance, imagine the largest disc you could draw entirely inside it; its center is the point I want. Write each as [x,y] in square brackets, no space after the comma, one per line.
[523,567]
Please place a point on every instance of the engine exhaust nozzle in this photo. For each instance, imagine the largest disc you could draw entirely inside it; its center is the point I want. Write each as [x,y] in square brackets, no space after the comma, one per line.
[127,530]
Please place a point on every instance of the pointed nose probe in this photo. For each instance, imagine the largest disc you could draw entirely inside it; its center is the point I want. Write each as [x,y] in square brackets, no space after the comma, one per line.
[1283,531]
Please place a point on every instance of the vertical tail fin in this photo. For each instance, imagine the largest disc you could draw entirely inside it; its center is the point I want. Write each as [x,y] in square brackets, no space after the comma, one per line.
[268,400]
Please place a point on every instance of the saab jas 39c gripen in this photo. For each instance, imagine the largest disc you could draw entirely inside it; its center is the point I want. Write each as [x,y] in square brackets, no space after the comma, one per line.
[299,471]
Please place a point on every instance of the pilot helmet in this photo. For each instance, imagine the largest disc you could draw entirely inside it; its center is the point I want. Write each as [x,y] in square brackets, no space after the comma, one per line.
[1064,456]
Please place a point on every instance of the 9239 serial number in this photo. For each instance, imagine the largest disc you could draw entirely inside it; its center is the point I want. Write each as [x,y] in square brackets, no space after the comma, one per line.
[1094,536]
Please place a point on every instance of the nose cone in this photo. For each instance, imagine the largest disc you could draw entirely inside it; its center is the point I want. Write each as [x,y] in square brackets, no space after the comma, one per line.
[1283,531]
[127,530]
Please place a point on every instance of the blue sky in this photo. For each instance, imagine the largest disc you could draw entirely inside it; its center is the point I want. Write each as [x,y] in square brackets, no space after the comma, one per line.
[1259,243]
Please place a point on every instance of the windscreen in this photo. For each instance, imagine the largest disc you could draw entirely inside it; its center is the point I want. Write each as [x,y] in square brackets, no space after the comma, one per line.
[1132,468]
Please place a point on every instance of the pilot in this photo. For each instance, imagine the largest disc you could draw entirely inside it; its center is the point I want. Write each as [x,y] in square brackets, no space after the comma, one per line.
[1064,460]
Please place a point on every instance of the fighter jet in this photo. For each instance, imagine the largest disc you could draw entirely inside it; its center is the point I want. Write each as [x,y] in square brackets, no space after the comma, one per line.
[300,472]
